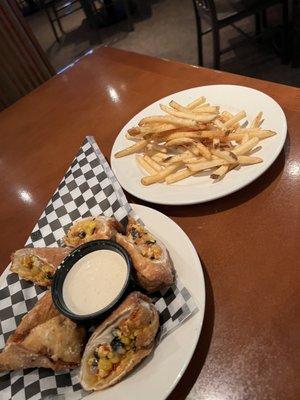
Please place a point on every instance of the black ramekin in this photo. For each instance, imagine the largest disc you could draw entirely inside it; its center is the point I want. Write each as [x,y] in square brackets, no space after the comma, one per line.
[67,264]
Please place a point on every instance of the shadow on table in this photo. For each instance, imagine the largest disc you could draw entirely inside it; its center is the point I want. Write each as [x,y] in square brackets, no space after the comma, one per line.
[194,368]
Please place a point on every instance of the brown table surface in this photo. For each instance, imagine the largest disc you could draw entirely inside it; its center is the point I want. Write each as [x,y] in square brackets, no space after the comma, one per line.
[248,242]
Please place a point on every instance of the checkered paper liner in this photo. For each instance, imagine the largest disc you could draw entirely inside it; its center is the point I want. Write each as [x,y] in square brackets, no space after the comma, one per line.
[88,188]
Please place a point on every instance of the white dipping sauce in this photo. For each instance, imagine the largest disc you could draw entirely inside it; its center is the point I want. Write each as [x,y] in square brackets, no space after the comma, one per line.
[94,281]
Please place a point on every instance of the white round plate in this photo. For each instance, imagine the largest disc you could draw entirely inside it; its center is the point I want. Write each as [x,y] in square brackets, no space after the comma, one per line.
[201,188]
[149,380]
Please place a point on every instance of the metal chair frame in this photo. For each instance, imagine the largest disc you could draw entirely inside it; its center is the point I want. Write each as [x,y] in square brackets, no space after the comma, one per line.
[206,9]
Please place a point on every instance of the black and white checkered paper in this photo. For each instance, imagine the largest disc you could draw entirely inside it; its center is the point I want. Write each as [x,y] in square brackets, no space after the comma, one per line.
[88,188]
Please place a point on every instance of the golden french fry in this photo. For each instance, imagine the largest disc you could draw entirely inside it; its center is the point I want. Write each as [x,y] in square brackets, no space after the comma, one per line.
[216,143]
[178,107]
[244,148]
[226,155]
[232,121]
[180,135]
[260,133]
[220,172]
[194,149]
[179,142]
[196,103]
[249,160]
[203,150]
[212,134]
[170,119]
[149,180]
[205,117]
[198,108]
[150,129]
[153,163]
[156,148]
[245,138]
[207,109]
[201,166]
[132,149]
[257,120]
[145,165]
[179,175]
[226,115]
[219,124]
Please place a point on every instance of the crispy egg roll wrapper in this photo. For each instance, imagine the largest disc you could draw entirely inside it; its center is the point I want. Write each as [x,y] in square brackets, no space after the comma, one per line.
[131,306]
[52,256]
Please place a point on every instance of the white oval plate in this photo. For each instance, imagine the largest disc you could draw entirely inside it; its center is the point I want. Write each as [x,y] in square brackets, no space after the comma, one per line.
[149,380]
[202,188]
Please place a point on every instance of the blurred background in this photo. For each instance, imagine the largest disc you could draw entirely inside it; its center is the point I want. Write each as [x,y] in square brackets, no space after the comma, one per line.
[256,38]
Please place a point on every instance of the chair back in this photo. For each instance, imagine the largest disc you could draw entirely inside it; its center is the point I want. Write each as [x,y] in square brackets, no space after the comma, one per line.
[205,9]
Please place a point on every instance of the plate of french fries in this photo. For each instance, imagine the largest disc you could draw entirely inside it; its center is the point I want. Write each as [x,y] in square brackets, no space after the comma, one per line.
[199,144]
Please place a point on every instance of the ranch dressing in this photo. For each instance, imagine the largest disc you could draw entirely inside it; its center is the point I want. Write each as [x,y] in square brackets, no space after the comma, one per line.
[94,281]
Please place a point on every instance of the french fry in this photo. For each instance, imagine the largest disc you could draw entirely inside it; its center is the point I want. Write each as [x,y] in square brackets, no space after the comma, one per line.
[170,119]
[245,138]
[219,124]
[232,121]
[220,172]
[196,103]
[260,133]
[149,180]
[146,130]
[198,108]
[216,143]
[178,107]
[180,135]
[244,148]
[201,166]
[226,155]
[212,134]
[203,150]
[178,158]
[145,165]
[257,120]
[179,175]
[179,142]
[156,148]
[132,149]
[194,149]
[205,117]
[248,160]
[207,109]
[153,163]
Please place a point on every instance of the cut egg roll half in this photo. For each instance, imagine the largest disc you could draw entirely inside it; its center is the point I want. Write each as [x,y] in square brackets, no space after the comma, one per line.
[119,343]
[150,258]
[91,228]
[38,264]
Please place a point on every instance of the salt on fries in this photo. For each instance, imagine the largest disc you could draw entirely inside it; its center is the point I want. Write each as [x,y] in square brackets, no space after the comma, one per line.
[192,138]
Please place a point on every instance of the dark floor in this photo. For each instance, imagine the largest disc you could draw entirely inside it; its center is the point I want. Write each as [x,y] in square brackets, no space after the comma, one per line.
[170,33]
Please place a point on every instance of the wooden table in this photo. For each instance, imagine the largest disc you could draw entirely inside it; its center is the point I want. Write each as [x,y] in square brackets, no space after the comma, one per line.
[248,242]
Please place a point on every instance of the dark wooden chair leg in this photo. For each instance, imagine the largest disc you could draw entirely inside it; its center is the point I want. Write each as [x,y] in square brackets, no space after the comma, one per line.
[130,25]
[216,43]
[52,24]
[57,19]
[285,32]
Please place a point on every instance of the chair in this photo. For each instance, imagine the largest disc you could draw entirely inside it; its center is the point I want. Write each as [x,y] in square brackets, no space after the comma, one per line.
[58,9]
[206,9]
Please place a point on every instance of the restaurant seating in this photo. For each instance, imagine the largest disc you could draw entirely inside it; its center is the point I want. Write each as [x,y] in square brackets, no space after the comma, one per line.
[208,11]
[58,9]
